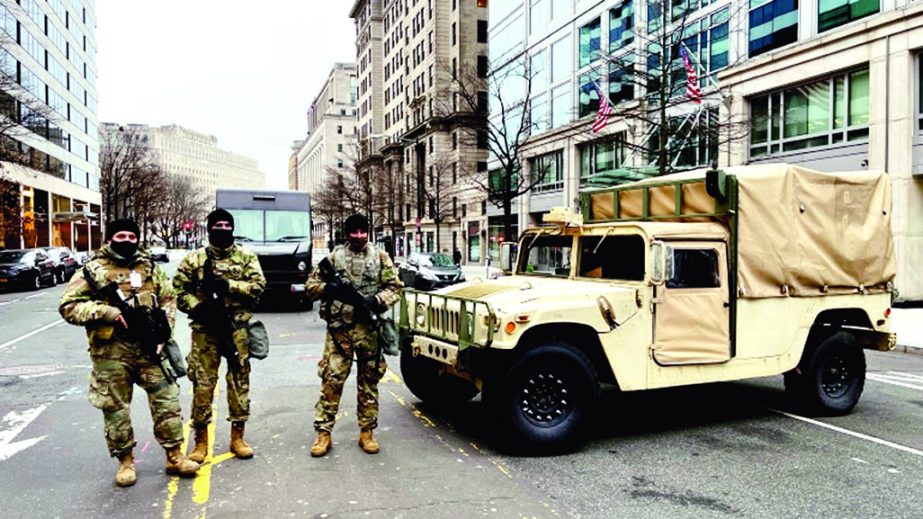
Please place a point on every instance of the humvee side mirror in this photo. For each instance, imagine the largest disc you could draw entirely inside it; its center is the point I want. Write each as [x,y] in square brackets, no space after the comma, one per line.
[657,262]
[506,257]
[661,262]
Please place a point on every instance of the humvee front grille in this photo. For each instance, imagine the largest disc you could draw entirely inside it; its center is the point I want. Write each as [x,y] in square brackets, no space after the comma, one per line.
[453,319]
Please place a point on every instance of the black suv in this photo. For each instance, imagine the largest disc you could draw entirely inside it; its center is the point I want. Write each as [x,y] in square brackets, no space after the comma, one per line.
[429,271]
[65,262]
[29,268]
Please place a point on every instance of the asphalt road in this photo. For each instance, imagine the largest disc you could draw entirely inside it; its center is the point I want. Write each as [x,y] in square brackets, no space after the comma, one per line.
[716,450]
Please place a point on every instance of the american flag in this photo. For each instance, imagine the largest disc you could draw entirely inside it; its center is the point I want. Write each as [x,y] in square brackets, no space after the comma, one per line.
[692,81]
[605,110]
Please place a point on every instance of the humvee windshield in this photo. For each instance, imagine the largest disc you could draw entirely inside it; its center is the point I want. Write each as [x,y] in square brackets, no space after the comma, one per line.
[546,255]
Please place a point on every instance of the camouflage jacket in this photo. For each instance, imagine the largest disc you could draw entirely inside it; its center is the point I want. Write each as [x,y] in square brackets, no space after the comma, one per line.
[371,272]
[238,264]
[81,306]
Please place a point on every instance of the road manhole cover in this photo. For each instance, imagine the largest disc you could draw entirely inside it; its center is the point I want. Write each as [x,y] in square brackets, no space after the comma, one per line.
[30,369]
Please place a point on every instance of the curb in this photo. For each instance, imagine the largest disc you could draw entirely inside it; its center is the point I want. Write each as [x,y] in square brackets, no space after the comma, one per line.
[911,350]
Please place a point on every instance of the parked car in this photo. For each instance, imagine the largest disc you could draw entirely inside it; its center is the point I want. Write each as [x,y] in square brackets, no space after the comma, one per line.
[429,271]
[159,253]
[65,263]
[82,258]
[29,268]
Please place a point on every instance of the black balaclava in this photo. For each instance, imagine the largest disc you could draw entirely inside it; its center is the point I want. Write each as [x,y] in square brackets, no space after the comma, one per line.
[355,223]
[221,238]
[124,249]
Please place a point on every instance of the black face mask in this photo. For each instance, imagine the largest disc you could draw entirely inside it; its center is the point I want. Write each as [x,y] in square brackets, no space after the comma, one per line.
[221,238]
[125,249]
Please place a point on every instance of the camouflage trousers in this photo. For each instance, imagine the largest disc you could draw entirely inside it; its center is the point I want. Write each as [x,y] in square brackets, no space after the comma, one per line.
[117,367]
[203,361]
[359,342]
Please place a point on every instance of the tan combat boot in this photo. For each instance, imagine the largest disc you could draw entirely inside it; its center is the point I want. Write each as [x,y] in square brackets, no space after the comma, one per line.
[322,444]
[239,447]
[179,465]
[125,476]
[367,442]
[200,451]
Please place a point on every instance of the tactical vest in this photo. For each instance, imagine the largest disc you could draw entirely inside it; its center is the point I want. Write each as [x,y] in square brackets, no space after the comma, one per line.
[364,272]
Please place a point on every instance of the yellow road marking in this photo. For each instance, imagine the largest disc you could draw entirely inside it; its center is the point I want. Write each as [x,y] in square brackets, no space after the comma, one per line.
[201,487]
[393,377]
[173,486]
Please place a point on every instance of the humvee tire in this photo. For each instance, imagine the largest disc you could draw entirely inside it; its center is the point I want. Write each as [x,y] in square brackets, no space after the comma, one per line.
[423,378]
[832,376]
[546,393]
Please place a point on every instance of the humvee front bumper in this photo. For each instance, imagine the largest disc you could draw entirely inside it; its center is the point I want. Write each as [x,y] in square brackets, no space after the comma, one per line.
[435,349]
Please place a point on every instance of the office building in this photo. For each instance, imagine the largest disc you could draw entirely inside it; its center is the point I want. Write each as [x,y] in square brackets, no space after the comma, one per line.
[48,63]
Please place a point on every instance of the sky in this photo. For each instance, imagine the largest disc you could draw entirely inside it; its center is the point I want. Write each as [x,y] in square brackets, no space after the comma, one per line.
[243,71]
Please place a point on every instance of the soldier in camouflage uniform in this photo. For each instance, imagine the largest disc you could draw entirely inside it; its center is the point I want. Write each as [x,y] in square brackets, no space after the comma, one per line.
[118,362]
[349,335]
[230,293]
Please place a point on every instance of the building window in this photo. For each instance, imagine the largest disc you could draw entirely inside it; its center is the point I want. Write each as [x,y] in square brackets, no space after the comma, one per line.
[621,80]
[454,207]
[822,113]
[589,42]
[483,66]
[454,34]
[621,26]
[482,140]
[482,31]
[548,171]
[773,24]
[464,210]
[339,130]
[920,92]
[589,94]
[834,13]
[602,157]
[693,141]
[483,206]
[561,106]
[454,140]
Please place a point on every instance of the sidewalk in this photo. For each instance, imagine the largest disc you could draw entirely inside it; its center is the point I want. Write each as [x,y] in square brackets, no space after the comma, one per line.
[907,323]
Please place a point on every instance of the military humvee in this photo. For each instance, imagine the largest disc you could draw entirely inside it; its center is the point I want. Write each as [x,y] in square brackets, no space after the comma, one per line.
[683,279]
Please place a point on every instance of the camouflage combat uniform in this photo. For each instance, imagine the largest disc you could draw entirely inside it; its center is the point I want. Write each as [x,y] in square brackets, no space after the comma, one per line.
[371,272]
[118,364]
[241,268]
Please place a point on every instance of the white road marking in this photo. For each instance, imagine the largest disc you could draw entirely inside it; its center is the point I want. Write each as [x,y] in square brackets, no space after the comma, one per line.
[37,375]
[30,334]
[854,434]
[33,296]
[906,375]
[15,423]
[886,380]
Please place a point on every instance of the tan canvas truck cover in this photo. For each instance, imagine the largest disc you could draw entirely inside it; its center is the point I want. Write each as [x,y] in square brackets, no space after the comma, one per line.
[801,232]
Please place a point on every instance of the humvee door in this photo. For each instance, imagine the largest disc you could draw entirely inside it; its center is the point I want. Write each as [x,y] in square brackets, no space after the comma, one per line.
[691,311]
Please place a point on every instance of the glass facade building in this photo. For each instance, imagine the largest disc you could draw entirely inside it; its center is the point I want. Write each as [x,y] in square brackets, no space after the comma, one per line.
[48,62]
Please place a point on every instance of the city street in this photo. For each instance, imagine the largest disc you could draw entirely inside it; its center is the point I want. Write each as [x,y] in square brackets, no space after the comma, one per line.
[708,451]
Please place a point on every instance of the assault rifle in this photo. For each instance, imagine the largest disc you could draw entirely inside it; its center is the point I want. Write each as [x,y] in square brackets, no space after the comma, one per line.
[344,291]
[217,317]
[146,326]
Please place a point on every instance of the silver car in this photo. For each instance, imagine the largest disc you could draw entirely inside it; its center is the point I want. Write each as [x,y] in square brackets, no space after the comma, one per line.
[429,271]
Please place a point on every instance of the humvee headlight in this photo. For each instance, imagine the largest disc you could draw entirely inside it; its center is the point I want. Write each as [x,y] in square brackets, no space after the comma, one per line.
[302,266]
[420,315]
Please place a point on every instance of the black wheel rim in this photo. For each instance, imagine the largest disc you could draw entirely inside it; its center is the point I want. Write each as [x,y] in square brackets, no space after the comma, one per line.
[836,376]
[545,399]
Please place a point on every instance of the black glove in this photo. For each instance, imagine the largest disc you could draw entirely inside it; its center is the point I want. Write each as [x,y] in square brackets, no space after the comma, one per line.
[218,286]
[134,322]
[372,303]
[336,290]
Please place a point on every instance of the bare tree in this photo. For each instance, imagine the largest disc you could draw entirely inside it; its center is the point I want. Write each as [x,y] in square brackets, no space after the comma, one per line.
[440,191]
[130,180]
[331,203]
[170,213]
[11,219]
[662,128]
[388,198]
[493,113]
